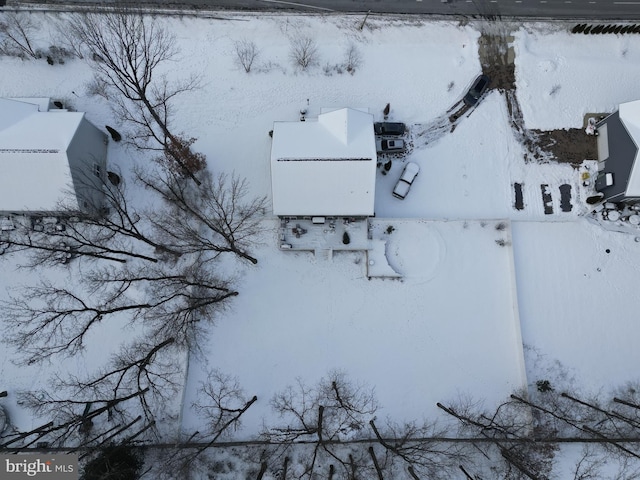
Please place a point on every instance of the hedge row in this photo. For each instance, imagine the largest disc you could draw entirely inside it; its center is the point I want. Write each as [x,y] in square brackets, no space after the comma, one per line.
[596,29]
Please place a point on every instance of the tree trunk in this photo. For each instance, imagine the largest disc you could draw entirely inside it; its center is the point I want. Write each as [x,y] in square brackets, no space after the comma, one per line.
[375,463]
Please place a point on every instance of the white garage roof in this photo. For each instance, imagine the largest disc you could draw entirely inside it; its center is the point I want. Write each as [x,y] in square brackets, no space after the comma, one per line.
[325,166]
[35,173]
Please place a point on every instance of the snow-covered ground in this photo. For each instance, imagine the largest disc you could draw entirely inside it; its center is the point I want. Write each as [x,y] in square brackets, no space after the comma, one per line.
[454,315]
[561,76]
[476,271]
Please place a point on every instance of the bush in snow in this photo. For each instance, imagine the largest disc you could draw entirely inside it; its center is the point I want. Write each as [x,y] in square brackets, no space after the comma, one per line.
[114,461]
[115,135]
[352,58]
[304,51]
[58,54]
[246,53]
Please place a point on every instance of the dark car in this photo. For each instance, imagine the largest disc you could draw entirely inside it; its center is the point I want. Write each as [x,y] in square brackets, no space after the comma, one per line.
[476,91]
[389,128]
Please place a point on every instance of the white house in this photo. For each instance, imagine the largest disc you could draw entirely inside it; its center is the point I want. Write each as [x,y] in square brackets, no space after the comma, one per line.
[48,158]
[324,166]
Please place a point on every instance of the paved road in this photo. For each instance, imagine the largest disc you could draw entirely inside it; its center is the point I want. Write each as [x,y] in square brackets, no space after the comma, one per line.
[594,9]
[559,9]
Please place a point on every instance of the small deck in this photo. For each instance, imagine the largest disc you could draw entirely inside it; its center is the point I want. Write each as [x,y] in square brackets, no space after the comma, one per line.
[325,237]
[304,234]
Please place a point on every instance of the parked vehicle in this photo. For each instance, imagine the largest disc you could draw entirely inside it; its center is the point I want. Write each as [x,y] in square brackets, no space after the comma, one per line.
[476,91]
[387,145]
[389,128]
[409,174]
[6,224]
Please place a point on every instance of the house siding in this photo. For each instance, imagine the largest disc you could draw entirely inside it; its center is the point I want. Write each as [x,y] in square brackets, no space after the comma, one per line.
[622,153]
[88,150]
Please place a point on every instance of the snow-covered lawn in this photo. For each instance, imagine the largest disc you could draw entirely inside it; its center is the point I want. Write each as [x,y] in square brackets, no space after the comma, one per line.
[561,76]
[450,326]
[476,271]
[576,292]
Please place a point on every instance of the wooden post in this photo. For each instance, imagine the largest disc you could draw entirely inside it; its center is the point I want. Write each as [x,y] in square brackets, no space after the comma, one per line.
[365,20]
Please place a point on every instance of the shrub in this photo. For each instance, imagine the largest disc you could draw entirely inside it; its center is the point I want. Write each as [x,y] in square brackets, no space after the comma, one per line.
[116,462]
[246,53]
[352,58]
[304,51]
[544,386]
[115,135]
[181,159]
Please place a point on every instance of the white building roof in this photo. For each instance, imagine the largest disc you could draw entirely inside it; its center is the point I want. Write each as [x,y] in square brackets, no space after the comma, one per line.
[325,166]
[35,172]
[630,117]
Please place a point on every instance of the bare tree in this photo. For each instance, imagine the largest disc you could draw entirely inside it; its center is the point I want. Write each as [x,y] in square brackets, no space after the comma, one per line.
[128,51]
[511,446]
[246,53]
[221,400]
[333,411]
[17,30]
[417,447]
[91,412]
[64,37]
[221,406]
[48,319]
[180,297]
[589,465]
[217,216]
[303,51]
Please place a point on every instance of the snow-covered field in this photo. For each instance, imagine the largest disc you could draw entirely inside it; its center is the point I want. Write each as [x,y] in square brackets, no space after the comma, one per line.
[563,76]
[472,293]
[454,315]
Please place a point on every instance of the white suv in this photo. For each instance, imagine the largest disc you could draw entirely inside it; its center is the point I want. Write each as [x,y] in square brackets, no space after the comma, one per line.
[409,174]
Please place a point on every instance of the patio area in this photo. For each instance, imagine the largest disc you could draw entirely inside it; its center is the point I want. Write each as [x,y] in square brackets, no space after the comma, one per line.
[324,234]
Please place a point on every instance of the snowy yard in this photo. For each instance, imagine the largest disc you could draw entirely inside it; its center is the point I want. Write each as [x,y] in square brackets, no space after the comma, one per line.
[450,326]
[490,295]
